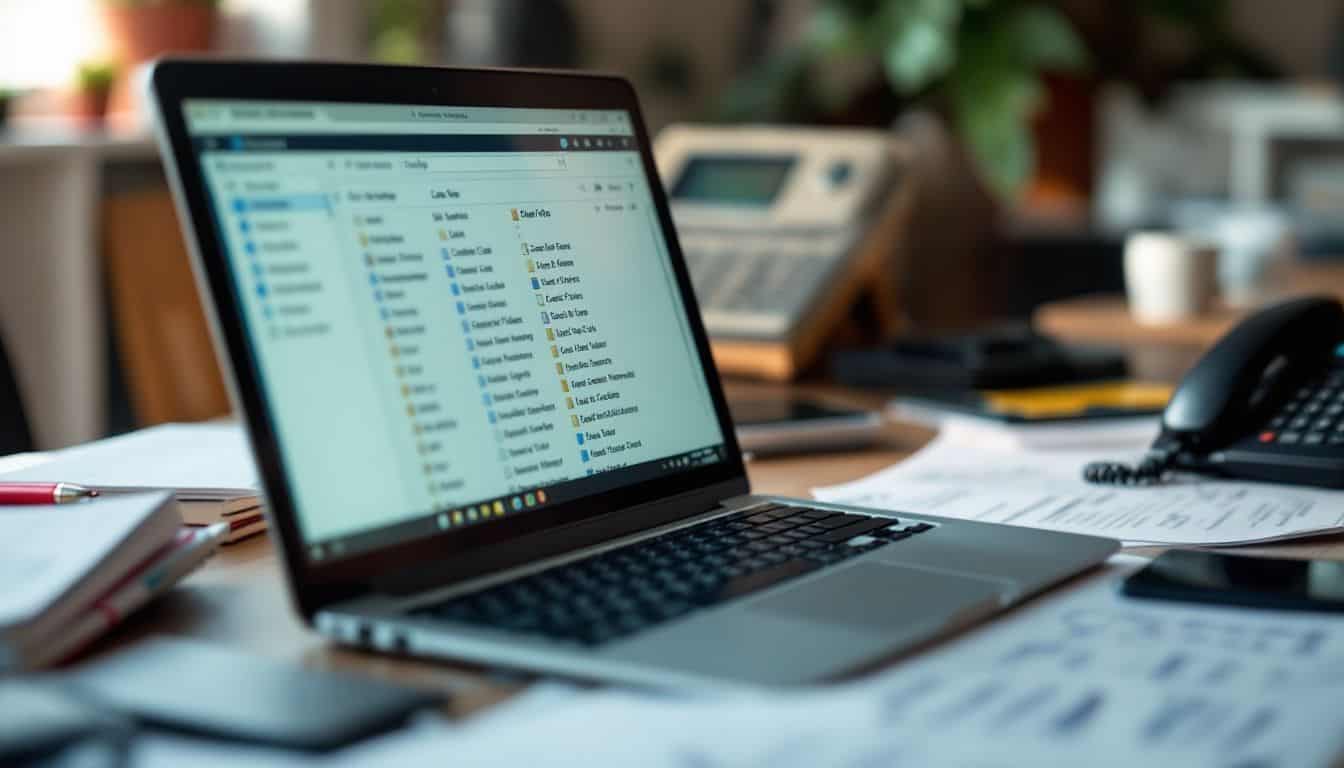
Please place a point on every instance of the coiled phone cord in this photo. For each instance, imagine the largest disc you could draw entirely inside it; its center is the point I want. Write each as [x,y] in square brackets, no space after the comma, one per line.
[1147,472]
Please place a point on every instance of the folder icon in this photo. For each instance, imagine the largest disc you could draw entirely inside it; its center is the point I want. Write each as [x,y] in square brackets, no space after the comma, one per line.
[560,368]
[564,385]
[405,390]
[574,419]
[443,234]
[541,300]
[410,410]
[513,213]
[550,334]
[555,351]
[569,402]
[531,265]
[363,239]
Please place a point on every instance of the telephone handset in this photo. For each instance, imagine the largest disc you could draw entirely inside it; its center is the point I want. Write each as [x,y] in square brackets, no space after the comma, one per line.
[1265,403]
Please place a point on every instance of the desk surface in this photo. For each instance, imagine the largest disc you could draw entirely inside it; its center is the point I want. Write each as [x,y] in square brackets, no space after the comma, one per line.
[240,599]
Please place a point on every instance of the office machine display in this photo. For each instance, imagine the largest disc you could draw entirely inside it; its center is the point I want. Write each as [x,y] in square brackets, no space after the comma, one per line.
[1265,403]
[481,400]
[784,229]
[1199,576]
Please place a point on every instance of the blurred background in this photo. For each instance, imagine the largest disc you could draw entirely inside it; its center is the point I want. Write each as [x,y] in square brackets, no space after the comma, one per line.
[1061,126]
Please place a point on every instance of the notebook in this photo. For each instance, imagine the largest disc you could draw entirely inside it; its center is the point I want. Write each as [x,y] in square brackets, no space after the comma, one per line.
[159,573]
[56,561]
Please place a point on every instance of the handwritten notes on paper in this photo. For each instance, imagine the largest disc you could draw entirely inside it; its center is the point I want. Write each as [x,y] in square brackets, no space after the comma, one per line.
[1045,490]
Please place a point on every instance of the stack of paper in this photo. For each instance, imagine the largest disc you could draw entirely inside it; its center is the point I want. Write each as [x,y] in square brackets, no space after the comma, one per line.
[950,478]
[70,572]
[208,466]
[1083,679]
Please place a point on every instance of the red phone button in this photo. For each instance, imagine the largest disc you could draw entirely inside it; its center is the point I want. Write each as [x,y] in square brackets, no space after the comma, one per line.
[1266,437]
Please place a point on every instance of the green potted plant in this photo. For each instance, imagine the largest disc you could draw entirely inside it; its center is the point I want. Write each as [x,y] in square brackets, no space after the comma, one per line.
[93,88]
[981,63]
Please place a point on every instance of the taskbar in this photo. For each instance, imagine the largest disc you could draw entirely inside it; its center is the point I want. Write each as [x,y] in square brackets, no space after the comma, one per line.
[484,511]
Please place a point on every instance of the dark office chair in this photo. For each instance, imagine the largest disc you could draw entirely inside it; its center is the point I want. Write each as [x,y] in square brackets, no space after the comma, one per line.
[14,434]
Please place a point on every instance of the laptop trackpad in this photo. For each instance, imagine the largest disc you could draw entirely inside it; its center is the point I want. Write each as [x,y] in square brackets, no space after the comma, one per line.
[882,598]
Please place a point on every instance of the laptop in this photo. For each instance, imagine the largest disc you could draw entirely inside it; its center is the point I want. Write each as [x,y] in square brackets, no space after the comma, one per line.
[461,333]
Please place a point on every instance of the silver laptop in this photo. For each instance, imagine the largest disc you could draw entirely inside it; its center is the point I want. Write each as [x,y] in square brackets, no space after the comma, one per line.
[462,335]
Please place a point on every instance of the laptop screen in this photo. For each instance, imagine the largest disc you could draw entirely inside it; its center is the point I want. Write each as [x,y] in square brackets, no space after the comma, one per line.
[459,315]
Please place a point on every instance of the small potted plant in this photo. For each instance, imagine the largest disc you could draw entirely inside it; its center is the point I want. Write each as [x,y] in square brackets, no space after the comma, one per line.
[6,98]
[93,87]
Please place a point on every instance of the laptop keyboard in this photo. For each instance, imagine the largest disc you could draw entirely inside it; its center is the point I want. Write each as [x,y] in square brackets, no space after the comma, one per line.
[626,590]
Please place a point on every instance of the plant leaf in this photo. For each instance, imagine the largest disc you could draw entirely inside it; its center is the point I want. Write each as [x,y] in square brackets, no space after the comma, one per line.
[831,28]
[1046,39]
[992,108]
[921,52]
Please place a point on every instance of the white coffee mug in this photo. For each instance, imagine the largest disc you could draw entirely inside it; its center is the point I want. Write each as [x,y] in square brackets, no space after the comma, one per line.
[1169,277]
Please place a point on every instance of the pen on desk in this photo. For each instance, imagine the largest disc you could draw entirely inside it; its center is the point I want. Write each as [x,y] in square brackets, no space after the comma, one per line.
[43,493]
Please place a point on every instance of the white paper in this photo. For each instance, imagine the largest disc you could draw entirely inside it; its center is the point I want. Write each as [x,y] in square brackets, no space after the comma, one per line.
[196,460]
[1113,433]
[1046,490]
[17,461]
[1087,678]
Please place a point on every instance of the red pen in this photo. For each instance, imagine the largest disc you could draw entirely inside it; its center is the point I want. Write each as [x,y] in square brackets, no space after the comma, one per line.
[43,493]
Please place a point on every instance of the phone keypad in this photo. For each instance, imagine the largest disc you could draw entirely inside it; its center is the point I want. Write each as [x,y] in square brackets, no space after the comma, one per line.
[1313,416]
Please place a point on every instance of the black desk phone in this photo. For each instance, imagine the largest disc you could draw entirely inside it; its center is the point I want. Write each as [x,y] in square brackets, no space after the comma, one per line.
[1265,403]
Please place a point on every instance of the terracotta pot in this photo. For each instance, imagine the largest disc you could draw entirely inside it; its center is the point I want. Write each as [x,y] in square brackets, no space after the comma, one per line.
[139,33]
[90,107]
[1064,132]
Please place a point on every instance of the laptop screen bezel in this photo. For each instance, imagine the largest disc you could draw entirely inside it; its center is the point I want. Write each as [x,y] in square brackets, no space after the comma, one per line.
[315,584]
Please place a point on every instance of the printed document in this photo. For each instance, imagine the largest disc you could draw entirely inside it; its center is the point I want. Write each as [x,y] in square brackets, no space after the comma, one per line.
[1046,490]
[1089,678]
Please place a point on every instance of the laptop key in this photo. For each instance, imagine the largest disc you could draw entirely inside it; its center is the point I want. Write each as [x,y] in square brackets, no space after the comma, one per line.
[864,525]
[766,577]
[838,520]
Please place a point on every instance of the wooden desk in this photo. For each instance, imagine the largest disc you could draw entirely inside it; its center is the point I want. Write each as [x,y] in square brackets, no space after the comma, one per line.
[1163,351]
[240,598]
